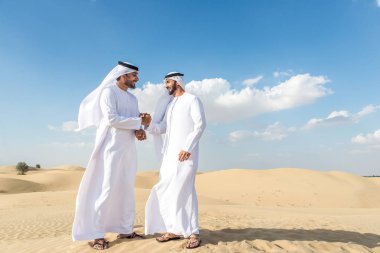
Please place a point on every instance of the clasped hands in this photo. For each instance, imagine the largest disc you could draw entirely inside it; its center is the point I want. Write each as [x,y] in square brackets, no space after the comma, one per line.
[141,135]
[145,121]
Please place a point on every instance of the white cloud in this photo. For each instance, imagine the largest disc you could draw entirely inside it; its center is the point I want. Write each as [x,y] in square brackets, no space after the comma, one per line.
[371,138]
[368,109]
[252,81]
[240,135]
[67,126]
[274,132]
[282,73]
[334,118]
[147,96]
[341,117]
[378,3]
[225,104]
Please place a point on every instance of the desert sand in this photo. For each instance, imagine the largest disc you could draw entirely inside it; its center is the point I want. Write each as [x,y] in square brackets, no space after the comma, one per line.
[277,210]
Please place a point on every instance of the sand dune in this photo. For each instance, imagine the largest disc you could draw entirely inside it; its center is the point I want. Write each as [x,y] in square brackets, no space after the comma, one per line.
[42,180]
[376,180]
[13,185]
[290,187]
[7,169]
[279,210]
[146,180]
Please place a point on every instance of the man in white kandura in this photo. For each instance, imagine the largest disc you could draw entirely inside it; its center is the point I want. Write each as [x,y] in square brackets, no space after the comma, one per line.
[157,118]
[172,206]
[105,200]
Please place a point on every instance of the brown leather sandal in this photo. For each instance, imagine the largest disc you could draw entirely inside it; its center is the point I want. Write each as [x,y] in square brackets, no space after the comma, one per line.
[99,244]
[193,242]
[167,237]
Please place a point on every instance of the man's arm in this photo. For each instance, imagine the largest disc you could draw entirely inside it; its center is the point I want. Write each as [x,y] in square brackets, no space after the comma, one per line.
[108,107]
[199,119]
[158,127]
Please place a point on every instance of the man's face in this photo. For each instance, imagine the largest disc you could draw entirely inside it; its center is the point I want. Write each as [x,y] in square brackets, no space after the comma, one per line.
[131,79]
[171,86]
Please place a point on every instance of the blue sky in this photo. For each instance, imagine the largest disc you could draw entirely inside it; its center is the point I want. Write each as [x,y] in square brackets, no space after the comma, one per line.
[284,83]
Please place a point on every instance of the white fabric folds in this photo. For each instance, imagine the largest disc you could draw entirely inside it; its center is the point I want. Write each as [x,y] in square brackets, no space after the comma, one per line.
[158,117]
[89,109]
[172,205]
[105,200]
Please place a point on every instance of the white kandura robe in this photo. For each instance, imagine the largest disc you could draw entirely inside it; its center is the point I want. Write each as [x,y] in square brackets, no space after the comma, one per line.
[105,200]
[158,116]
[172,205]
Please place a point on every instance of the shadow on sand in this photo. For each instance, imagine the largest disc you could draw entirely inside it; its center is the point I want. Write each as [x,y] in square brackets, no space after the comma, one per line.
[232,234]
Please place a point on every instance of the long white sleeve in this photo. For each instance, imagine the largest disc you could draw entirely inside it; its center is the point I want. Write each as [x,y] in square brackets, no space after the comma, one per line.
[199,119]
[158,127]
[108,106]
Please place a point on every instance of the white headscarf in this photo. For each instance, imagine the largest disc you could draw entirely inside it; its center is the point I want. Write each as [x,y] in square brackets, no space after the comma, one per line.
[89,109]
[176,76]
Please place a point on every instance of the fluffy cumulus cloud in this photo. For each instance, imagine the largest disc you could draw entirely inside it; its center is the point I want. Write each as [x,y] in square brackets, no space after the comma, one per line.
[67,126]
[222,103]
[274,132]
[148,96]
[225,104]
[371,138]
[341,117]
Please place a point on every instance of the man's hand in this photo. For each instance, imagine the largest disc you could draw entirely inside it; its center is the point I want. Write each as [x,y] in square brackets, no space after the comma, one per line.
[145,119]
[183,156]
[140,135]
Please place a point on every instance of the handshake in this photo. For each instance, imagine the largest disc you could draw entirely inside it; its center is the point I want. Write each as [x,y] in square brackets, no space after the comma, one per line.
[145,121]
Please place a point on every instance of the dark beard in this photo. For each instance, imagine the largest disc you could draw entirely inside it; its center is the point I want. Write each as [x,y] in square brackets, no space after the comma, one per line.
[171,92]
[130,84]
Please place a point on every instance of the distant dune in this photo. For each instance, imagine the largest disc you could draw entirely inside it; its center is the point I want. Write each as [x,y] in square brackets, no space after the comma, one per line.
[66,178]
[277,210]
[290,187]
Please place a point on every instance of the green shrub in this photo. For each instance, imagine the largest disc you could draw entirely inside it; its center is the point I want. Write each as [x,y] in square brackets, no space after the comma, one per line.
[22,168]
[38,166]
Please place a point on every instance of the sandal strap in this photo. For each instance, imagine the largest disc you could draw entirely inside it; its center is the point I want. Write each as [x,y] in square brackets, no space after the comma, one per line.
[100,241]
[193,242]
[100,244]
[167,237]
[171,235]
